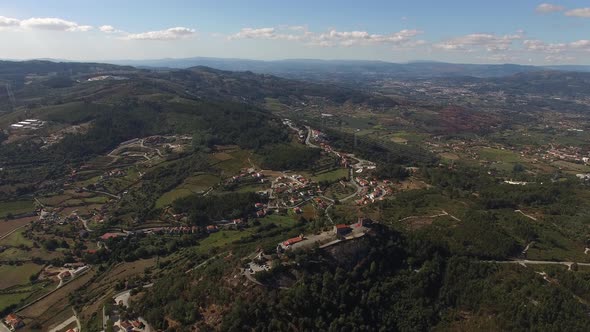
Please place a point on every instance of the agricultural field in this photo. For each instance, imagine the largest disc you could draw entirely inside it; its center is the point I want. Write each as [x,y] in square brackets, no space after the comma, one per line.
[15,207]
[51,305]
[193,185]
[13,275]
[17,239]
[6,226]
[330,175]
[505,156]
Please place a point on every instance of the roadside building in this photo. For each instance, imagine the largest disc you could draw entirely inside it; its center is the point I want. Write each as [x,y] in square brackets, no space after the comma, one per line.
[342,230]
[13,322]
[292,241]
[107,236]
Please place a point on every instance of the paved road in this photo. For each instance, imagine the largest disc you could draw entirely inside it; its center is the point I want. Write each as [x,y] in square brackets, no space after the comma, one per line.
[64,324]
[3,328]
[123,298]
[356,185]
[307,139]
[526,262]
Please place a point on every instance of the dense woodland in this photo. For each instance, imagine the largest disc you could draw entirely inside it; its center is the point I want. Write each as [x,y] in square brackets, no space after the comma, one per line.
[398,283]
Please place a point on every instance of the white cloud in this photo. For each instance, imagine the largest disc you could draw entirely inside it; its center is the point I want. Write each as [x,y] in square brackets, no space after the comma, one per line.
[579,12]
[559,58]
[261,33]
[541,46]
[546,8]
[557,51]
[297,28]
[54,24]
[581,45]
[471,42]
[349,38]
[504,58]
[168,34]
[330,38]
[8,22]
[108,29]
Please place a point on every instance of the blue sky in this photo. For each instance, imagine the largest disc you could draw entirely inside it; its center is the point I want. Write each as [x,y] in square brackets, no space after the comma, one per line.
[499,31]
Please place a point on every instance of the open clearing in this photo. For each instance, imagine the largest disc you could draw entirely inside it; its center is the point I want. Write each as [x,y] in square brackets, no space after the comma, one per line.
[6,300]
[56,301]
[12,275]
[16,207]
[492,154]
[16,239]
[7,226]
[333,175]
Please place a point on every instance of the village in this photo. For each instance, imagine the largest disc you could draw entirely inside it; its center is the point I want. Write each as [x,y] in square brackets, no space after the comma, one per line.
[86,198]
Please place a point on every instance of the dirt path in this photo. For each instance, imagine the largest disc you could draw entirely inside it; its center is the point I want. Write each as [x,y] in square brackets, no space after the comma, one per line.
[442,214]
[12,232]
[526,215]
[525,262]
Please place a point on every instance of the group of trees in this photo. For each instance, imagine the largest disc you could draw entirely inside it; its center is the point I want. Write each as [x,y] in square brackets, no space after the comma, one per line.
[204,209]
[289,157]
[380,152]
[398,283]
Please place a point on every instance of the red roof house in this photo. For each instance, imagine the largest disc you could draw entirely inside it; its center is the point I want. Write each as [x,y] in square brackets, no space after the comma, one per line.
[293,241]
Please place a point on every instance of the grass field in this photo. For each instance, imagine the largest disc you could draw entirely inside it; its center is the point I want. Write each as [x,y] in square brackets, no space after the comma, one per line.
[54,200]
[449,156]
[331,175]
[171,196]
[7,300]
[14,254]
[16,239]
[96,200]
[15,207]
[57,300]
[200,182]
[403,137]
[492,154]
[274,104]
[572,167]
[17,275]
[226,237]
[338,192]
[6,226]
[233,166]
[193,185]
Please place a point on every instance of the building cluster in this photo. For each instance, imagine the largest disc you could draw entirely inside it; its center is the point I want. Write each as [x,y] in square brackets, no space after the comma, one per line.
[338,234]
[114,173]
[30,124]
[247,175]
[372,191]
[130,325]
[13,322]
[572,154]
[290,190]
[178,230]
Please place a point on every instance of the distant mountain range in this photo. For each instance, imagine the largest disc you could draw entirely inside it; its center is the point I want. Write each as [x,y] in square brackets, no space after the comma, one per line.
[348,69]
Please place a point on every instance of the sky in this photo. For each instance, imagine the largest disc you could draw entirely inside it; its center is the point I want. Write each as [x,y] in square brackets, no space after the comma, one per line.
[460,31]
